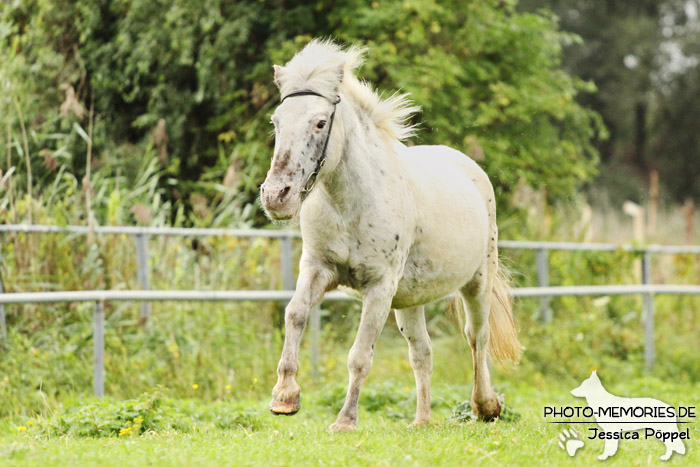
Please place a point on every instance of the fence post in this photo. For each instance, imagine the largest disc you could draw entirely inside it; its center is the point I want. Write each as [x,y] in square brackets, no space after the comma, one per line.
[98,340]
[543,280]
[142,274]
[649,350]
[286,263]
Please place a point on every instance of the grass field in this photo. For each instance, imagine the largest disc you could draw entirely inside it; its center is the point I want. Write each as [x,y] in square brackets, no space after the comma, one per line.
[197,419]
[223,433]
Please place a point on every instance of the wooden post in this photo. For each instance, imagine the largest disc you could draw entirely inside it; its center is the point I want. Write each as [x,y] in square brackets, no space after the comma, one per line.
[587,223]
[653,201]
[637,213]
[688,210]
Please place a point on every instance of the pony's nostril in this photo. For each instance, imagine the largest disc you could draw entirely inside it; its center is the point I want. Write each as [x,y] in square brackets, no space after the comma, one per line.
[284,192]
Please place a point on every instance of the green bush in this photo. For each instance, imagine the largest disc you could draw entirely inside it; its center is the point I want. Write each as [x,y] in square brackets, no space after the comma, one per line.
[191,83]
[149,413]
[106,418]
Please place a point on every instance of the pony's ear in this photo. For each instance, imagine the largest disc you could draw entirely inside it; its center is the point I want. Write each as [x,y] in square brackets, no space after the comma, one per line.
[341,72]
[279,73]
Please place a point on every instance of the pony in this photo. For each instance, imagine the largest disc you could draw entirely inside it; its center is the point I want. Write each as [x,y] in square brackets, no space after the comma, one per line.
[398,226]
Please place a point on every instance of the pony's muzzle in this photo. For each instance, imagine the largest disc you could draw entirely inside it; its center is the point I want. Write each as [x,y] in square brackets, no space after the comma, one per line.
[275,197]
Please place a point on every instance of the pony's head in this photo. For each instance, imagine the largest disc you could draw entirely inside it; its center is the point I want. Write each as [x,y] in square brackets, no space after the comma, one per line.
[307,143]
[588,386]
[310,89]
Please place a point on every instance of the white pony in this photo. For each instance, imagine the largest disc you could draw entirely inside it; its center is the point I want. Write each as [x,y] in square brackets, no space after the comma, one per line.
[401,226]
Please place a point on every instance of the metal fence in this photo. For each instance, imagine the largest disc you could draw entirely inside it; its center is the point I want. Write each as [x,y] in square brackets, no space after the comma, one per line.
[544,291]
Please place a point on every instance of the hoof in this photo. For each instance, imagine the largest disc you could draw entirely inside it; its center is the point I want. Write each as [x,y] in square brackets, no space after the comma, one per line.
[342,427]
[487,410]
[286,407]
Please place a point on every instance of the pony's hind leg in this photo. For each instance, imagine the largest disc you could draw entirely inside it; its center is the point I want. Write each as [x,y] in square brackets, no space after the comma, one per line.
[411,323]
[477,295]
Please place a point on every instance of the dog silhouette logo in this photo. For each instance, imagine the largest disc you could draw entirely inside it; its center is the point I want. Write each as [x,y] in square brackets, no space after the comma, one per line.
[625,417]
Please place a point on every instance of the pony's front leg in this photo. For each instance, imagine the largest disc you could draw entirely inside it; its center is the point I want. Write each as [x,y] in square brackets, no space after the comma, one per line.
[375,309]
[314,279]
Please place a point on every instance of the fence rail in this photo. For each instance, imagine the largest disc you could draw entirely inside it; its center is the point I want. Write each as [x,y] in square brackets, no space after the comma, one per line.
[545,292]
[286,295]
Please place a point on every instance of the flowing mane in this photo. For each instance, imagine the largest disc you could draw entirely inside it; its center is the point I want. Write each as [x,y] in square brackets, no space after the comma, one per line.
[322,66]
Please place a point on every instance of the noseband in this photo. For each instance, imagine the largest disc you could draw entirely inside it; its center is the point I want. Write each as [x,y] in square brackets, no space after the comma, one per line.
[311,181]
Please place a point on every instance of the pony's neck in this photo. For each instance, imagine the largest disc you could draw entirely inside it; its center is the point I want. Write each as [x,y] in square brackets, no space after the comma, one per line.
[366,158]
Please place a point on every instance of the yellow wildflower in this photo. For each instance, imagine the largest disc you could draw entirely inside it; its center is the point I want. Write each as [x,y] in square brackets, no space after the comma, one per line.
[255,380]
[138,420]
[228,386]
[195,386]
[407,389]
[21,428]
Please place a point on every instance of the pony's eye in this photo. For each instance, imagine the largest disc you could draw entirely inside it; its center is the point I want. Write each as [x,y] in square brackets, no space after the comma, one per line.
[321,124]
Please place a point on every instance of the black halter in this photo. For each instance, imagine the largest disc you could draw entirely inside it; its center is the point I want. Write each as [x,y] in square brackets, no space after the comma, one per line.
[311,181]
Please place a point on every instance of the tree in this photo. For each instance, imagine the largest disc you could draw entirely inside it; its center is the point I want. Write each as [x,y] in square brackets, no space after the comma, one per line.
[643,57]
[198,75]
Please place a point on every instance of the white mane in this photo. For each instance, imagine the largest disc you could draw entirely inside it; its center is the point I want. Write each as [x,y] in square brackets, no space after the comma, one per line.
[322,66]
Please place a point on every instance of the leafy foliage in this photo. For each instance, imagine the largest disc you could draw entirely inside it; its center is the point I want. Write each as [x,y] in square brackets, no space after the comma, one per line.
[489,82]
[149,413]
[192,82]
[131,417]
[643,56]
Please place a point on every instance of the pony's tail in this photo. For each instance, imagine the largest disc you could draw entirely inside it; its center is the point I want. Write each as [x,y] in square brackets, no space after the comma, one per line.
[504,346]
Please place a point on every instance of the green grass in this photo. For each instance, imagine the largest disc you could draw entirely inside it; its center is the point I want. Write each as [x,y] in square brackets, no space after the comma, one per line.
[210,434]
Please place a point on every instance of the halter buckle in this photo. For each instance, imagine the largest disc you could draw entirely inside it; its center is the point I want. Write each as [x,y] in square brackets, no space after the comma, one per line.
[312,178]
